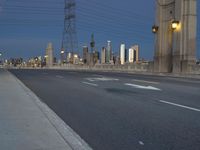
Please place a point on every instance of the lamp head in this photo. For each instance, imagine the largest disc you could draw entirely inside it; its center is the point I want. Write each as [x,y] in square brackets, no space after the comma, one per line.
[155,29]
[175,24]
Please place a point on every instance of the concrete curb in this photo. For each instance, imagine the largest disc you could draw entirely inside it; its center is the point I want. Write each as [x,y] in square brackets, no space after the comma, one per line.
[67,133]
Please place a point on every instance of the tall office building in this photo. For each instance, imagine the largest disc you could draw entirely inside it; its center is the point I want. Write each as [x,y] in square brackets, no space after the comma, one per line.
[103,55]
[122,54]
[49,55]
[133,54]
[85,53]
[96,57]
[108,52]
[70,58]
[136,53]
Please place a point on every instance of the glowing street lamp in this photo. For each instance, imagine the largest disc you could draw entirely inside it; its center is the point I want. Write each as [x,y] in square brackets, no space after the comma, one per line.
[175,24]
[62,52]
[75,56]
[155,29]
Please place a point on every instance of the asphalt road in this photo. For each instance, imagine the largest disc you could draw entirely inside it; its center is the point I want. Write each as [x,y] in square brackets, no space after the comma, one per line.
[113,111]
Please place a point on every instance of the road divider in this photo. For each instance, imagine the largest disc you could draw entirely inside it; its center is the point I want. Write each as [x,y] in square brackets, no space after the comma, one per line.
[143,87]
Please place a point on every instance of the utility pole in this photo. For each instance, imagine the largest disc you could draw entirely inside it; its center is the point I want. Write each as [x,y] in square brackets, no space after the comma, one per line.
[69,41]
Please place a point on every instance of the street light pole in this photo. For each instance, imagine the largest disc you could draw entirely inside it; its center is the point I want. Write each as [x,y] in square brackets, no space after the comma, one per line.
[1,58]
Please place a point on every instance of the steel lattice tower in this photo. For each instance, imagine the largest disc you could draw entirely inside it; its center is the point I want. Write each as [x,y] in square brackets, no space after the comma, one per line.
[69,41]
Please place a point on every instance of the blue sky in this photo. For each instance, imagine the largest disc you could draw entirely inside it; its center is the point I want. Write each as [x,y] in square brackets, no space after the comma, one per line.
[27,26]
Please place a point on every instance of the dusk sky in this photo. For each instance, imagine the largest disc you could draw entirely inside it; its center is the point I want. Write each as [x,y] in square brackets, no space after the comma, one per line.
[26,26]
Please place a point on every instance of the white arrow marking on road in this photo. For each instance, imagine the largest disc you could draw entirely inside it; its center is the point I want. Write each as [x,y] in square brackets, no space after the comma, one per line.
[178,105]
[143,87]
[92,84]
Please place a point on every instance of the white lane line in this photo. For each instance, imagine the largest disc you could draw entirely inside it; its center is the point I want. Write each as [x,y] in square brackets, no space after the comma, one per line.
[97,75]
[144,81]
[88,83]
[141,143]
[101,79]
[143,87]
[178,105]
[61,77]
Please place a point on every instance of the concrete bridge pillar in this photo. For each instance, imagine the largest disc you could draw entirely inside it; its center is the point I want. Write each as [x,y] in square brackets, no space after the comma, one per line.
[175,48]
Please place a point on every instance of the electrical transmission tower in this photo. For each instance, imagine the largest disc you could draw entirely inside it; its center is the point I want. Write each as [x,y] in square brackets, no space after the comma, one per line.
[69,41]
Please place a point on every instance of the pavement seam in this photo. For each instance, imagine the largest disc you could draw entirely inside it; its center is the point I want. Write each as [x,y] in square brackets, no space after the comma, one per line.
[67,133]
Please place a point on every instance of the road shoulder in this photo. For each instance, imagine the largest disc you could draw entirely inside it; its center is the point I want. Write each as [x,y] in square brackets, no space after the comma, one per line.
[28,123]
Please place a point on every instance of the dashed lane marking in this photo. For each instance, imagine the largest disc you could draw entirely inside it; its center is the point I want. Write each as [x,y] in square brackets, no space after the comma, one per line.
[101,79]
[58,76]
[178,105]
[45,73]
[144,81]
[141,143]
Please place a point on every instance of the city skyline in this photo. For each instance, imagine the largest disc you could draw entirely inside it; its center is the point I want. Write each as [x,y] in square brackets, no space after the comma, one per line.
[30,35]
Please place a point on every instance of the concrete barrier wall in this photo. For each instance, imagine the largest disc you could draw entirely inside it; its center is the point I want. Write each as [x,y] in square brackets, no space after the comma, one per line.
[146,68]
[119,68]
[195,69]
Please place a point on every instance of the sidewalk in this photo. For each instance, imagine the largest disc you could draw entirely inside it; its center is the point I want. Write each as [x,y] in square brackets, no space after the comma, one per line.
[28,124]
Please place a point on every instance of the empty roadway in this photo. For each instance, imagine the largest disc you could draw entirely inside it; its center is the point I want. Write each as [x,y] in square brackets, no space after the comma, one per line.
[118,111]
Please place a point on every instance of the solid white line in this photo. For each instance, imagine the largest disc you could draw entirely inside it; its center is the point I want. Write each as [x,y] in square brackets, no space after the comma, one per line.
[92,84]
[151,82]
[178,105]
[143,87]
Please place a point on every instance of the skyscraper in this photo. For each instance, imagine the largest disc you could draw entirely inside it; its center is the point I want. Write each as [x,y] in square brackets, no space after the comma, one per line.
[108,52]
[131,55]
[49,55]
[134,54]
[85,54]
[92,43]
[122,54]
[103,55]
[96,57]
